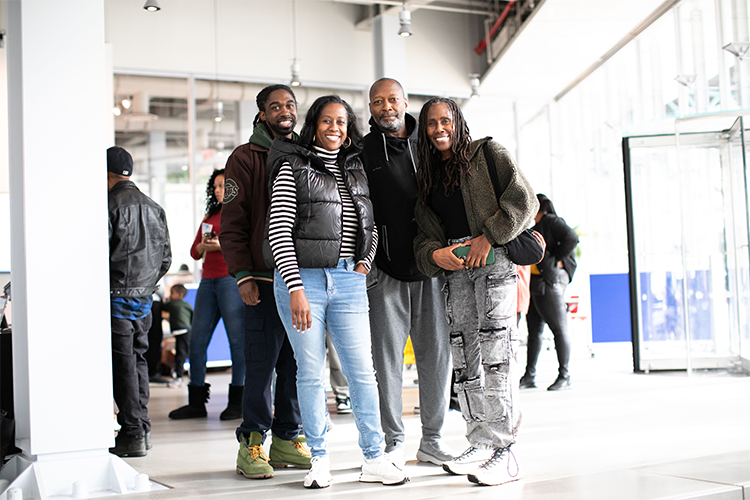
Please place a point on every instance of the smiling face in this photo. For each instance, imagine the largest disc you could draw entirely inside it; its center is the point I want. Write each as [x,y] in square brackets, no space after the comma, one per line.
[440,129]
[388,106]
[219,187]
[330,132]
[280,114]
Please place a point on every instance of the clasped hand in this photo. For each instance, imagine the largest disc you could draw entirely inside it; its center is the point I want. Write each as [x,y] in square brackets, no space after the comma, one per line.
[477,257]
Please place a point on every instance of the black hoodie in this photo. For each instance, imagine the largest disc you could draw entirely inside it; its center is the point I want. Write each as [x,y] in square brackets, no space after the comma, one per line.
[391,166]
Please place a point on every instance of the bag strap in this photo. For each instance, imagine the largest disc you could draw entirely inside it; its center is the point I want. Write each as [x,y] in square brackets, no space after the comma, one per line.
[491,167]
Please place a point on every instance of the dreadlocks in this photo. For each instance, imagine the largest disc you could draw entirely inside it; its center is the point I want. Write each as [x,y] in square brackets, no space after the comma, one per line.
[262,97]
[429,157]
[212,204]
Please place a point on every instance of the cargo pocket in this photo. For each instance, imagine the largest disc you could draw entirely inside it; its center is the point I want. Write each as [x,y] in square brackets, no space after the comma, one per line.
[471,397]
[457,351]
[494,346]
[497,405]
[500,301]
[255,337]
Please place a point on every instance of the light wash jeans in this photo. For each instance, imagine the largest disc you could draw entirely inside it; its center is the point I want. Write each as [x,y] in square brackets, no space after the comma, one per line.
[481,311]
[217,298]
[338,302]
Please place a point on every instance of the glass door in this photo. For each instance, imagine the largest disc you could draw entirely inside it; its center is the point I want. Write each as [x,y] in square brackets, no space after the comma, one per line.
[734,160]
[688,236]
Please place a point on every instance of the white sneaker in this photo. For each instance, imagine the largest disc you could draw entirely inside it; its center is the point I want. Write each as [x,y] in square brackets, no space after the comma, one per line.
[396,455]
[382,470]
[319,475]
[500,469]
[468,461]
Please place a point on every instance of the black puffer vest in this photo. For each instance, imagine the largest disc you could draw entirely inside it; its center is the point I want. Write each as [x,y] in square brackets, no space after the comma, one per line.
[318,226]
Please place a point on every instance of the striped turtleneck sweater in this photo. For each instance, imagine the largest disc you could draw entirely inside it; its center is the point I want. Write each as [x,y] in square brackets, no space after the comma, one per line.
[284,210]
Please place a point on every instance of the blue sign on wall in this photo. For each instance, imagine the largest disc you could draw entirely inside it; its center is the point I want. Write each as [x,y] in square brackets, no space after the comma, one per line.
[610,308]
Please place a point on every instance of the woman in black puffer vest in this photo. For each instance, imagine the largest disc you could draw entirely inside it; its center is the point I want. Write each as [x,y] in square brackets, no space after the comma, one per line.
[321,239]
[549,279]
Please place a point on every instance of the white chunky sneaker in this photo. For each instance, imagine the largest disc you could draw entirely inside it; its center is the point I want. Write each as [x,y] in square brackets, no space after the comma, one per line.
[319,475]
[382,470]
[468,461]
[500,469]
[396,455]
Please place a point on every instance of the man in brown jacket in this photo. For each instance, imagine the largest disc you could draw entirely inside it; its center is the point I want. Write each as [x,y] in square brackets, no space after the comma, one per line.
[267,348]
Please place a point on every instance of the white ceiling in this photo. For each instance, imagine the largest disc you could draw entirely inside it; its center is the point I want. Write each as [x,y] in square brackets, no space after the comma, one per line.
[563,39]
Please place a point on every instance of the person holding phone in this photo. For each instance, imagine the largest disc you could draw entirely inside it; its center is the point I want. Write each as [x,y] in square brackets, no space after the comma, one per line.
[217,298]
[459,212]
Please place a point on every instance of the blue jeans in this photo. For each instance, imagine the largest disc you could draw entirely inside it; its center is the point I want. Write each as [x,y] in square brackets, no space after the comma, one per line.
[338,302]
[217,298]
[481,311]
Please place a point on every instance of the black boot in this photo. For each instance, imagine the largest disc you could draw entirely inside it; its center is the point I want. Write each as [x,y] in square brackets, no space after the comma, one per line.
[127,446]
[196,408]
[561,384]
[527,381]
[234,408]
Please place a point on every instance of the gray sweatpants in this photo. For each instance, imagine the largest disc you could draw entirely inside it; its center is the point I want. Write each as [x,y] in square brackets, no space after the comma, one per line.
[399,309]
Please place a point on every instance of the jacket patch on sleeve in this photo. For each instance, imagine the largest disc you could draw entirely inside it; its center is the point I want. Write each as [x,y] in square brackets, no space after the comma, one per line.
[231,190]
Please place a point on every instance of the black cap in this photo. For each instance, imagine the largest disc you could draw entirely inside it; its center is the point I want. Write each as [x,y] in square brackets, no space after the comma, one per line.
[119,161]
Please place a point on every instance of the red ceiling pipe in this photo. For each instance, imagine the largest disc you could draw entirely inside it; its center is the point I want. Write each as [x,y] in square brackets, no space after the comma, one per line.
[483,44]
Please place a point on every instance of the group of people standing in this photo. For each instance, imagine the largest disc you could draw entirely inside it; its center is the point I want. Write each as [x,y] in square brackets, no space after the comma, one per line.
[358,238]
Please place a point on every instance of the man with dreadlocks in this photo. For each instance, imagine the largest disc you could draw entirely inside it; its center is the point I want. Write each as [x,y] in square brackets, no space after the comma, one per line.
[267,348]
[473,196]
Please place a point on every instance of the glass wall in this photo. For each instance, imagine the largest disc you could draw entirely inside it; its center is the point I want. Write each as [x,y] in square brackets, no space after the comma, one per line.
[684,64]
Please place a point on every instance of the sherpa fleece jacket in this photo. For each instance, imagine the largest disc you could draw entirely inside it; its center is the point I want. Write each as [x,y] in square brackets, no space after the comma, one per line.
[500,218]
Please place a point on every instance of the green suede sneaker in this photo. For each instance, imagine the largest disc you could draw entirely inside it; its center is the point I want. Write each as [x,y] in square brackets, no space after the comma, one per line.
[294,453]
[252,461]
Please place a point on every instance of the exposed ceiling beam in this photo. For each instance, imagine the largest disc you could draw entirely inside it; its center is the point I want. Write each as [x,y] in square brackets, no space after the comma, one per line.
[475,7]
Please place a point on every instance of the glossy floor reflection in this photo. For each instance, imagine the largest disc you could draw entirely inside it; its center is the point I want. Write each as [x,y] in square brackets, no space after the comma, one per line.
[615,435]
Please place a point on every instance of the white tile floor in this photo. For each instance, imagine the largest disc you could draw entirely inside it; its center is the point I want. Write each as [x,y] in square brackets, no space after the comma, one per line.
[616,435]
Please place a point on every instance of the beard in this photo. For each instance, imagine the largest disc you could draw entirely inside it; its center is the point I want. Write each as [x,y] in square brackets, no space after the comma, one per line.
[390,126]
[281,131]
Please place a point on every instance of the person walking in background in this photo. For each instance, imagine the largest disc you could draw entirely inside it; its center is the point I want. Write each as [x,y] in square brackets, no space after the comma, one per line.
[180,315]
[139,255]
[217,298]
[459,213]
[267,348]
[322,239]
[403,301]
[549,279]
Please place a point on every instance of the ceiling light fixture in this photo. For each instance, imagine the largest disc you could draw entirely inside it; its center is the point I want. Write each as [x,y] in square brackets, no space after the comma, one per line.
[474,82]
[116,111]
[151,6]
[218,111]
[405,20]
[126,103]
[295,74]
[739,49]
[296,68]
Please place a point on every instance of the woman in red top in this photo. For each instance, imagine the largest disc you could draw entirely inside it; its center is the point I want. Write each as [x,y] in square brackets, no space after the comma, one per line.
[218,298]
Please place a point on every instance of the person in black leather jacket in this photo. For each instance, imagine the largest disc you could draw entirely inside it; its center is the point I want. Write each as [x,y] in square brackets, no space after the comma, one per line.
[549,278]
[139,255]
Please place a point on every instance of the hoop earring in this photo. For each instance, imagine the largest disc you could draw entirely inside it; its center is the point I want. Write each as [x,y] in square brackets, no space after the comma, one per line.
[345,146]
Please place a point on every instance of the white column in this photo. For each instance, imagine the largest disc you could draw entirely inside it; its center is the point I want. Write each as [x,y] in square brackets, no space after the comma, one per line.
[59,249]
[389,49]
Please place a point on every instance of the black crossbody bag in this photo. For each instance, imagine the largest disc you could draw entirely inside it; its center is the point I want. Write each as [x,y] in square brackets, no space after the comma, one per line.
[528,247]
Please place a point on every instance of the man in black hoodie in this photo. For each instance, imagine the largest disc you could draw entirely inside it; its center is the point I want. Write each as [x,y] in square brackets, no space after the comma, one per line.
[403,301]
